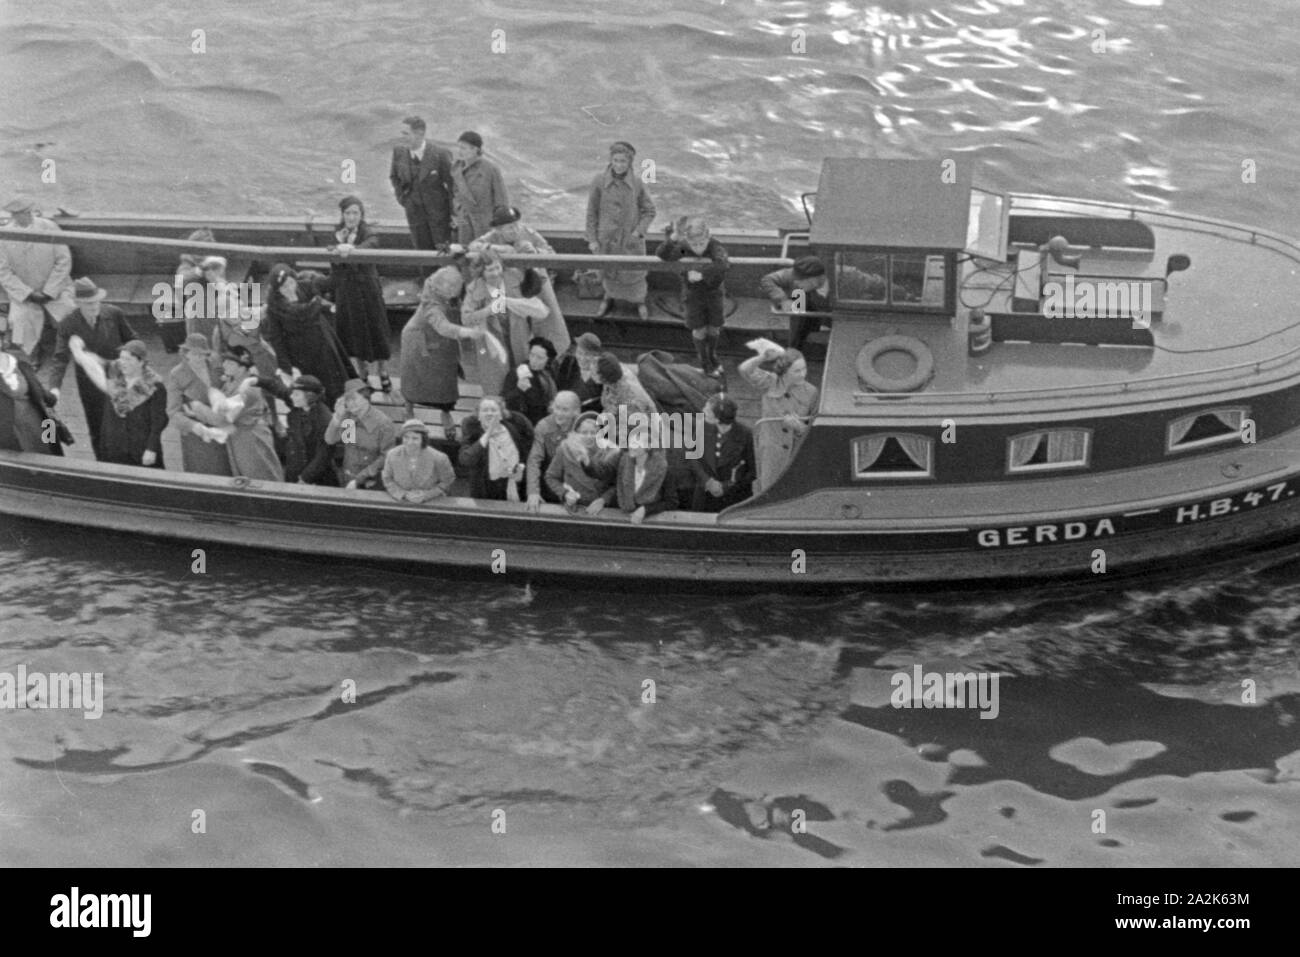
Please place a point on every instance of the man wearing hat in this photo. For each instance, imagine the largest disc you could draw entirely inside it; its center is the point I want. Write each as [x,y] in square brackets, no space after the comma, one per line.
[104,331]
[479,188]
[799,290]
[619,214]
[308,456]
[365,433]
[36,278]
[421,178]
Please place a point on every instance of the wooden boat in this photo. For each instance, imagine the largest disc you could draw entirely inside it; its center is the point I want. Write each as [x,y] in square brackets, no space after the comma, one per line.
[1015,386]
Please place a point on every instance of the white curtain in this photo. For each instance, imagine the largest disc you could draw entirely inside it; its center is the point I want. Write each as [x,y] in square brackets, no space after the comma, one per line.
[868,450]
[1229,417]
[1024,448]
[1067,445]
[917,448]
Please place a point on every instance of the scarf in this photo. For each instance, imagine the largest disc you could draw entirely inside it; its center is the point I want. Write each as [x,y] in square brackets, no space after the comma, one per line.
[126,397]
[503,457]
[9,371]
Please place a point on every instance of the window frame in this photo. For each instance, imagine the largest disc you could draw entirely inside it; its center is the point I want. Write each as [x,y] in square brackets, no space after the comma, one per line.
[1013,469]
[860,476]
[1213,440]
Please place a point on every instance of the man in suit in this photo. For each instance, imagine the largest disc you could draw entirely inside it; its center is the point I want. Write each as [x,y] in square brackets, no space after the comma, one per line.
[104,330]
[421,178]
[724,472]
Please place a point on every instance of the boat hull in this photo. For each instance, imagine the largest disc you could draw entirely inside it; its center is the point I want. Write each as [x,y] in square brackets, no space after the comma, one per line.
[697,552]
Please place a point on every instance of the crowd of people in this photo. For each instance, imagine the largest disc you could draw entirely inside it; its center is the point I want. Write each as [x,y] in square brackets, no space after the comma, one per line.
[317,343]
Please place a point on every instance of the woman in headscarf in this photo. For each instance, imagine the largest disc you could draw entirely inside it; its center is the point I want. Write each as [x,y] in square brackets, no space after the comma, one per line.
[136,411]
[203,443]
[299,329]
[25,417]
[239,402]
[494,300]
[789,404]
[530,387]
[619,214]
[582,474]
[359,297]
[431,350]
[494,450]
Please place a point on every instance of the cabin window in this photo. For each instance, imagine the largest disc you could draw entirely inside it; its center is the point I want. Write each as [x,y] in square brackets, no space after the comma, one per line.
[899,279]
[860,277]
[893,455]
[1212,427]
[1048,450]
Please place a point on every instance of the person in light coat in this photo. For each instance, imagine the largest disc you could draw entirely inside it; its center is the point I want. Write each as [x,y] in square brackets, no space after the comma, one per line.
[38,280]
[619,214]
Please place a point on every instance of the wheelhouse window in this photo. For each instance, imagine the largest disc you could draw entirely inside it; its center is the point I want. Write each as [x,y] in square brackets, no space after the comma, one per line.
[1048,450]
[893,455]
[1212,427]
[889,279]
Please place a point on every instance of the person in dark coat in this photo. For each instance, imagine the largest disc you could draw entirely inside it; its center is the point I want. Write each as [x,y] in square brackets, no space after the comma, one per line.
[530,388]
[308,458]
[421,176]
[493,450]
[103,330]
[135,411]
[299,329]
[358,296]
[430,350]
[800,289]
[704,291]
[25,418]
[724,472]
[576,372]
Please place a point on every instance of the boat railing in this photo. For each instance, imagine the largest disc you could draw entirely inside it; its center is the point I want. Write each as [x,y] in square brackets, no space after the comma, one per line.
[1286,245]
[412,258]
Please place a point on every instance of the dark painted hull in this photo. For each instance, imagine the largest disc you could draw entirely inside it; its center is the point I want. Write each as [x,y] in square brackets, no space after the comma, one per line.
[696,551]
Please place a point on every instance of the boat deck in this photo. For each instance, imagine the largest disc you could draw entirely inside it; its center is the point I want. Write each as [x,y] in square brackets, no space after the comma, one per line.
[1229,318]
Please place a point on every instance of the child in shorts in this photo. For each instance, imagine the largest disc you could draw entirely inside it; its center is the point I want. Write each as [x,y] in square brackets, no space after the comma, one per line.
[703,291]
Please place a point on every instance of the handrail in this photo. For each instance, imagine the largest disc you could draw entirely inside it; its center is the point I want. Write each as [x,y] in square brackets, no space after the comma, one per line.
[415,257]
[1253,232]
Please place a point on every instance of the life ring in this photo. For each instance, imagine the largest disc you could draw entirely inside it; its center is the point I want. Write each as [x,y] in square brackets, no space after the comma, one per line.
[877,381]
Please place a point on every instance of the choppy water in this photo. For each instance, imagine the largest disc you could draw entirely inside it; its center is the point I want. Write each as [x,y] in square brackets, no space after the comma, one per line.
[222,690]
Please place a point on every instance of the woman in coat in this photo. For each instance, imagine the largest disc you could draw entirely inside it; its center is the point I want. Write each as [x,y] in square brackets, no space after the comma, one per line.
[582,474]
[25,418]
[203,442]
[509,235]
[495,302]
[530,387]
[299,329]
[431,350]
[358,296]
[494,449]
[415,473]
[619,214]
[789,403]
[136,411]
[251,441]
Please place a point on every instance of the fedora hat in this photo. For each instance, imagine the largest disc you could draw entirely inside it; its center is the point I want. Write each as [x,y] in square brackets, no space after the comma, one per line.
[19,204]
[357,385]
[308,383]
[197,343]
[85,290]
